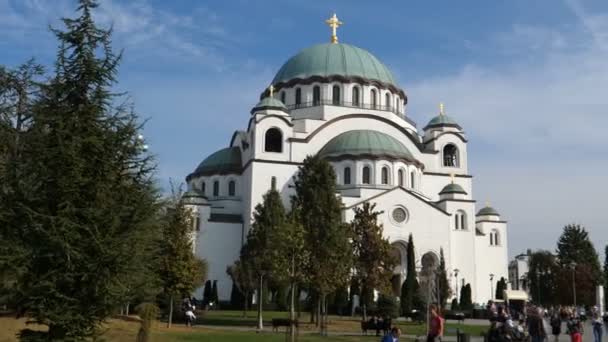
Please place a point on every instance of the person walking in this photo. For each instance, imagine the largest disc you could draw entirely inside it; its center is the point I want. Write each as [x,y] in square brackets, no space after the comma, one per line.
[536,328]
[597,323]
[556,326]
[575,327]
[436,325]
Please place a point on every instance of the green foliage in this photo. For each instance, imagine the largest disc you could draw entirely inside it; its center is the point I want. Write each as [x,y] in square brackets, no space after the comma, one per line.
[340,301]
[455,305]
[78,202]
[387,306]
[214,295]
[374,263]
[501,286]
[244,280]
[207,293]
[410,289]
[466,294]
[574,245]
[443,283]
[148,313]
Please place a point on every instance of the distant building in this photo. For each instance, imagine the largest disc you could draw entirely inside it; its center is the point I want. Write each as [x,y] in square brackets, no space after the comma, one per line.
[518,272]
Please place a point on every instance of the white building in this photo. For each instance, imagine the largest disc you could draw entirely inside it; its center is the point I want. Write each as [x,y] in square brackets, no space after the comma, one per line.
[342,102]
[518,272]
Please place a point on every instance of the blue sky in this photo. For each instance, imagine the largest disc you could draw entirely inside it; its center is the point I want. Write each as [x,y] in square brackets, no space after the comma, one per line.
[526,79]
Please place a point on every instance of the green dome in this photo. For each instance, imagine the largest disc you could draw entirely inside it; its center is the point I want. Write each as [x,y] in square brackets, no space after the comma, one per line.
[269,103]
[453,189]
[442,120]
[487,211]
[365,143]
[224,161]
[331,60]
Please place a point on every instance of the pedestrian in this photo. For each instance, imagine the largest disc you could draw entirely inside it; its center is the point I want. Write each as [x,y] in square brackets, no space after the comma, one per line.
[436,325]
[556,326]
[393,336]
[575,327]
[536,328]
[597,325]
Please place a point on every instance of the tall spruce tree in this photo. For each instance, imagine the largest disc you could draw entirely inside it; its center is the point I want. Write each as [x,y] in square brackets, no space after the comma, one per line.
[327,239]
[410,288]
[261,250]
[443,284]
[180,271]
[574,245]
[374,263]
[91,195]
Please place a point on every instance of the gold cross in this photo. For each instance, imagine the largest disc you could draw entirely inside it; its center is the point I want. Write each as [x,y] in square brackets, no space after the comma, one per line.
[441,108]
[452,176]
[334,23]
[271,90]
[487,203]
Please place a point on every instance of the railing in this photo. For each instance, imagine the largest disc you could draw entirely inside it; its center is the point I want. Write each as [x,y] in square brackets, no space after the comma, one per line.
[350,105]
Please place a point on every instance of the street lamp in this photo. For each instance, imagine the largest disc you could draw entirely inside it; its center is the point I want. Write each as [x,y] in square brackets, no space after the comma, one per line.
[573,266]
[456,277]
[491,286]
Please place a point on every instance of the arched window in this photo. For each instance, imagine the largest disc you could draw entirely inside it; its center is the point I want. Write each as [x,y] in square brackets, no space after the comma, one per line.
[298,97]
[460,220]
[355,96]
[203,187]
[366,175]
[231,188]
[273,183]
[494,238]
[283,97]
[373,98]
[397,100]
[413,180]
[316,95]
[457,221]
[400,177]
[335,95]
[347,175]
[274,140]
[384,175]
[387,101]
[216,188]
[450,155]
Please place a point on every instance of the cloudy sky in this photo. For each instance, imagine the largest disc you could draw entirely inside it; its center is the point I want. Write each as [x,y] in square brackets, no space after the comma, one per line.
[526,79]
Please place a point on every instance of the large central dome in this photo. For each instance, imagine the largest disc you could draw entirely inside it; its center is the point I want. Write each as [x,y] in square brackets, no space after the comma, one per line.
[327,60]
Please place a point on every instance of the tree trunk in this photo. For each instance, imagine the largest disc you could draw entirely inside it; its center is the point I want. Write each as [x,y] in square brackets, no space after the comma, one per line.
[292,312]
[364,310]
[322,316]
[170,312]
[260,299]
[127,309]
[318,313]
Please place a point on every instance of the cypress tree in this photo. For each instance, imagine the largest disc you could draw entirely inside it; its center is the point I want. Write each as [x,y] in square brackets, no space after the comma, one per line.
[410,288]
[443,289]
[93,200]
[214,295]
[207,293]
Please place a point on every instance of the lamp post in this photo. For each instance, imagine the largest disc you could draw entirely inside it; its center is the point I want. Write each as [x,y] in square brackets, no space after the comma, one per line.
[573,266]
[491,286]
[456,277]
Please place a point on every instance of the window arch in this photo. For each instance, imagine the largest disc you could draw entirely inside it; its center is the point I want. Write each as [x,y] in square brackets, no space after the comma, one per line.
[494,238]
[366,175]
[374,98]
[356,94]
[413,180]
[232,188]
[298,99]
[400,177]
[216,188]
[384,175]
[450,156]
[387,100]
[316,95]
[203,187]
[283,97]
[460,220]
[347,175]
[273,140]
[335,95]
[397,105]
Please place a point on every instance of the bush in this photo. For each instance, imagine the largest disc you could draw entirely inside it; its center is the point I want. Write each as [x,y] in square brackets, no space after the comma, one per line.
[387,306]
[454,305]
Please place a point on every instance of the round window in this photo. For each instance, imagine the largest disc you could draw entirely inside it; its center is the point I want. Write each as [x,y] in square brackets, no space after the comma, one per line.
[399,215]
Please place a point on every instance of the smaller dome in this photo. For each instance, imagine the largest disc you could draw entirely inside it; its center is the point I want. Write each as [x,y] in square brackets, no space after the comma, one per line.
[224,161]
[269,103]
[487,211]
[442,120]
[452,189]
[194,196]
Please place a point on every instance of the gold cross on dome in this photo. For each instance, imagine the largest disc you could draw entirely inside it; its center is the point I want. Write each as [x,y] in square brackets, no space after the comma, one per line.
[487,203]
[441,108]
[334,23]
[452,177]
[271,90]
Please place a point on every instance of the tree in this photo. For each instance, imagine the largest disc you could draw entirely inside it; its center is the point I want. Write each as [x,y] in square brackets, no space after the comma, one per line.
[542,275]
[261,250]
[207,293]
[501,286]
[466,302]
[180,270]
[244,279]
[410,288]
[455,305]
[214,295]
[443,284]
[327,239]
[388,306]
[374,263]
[87,198]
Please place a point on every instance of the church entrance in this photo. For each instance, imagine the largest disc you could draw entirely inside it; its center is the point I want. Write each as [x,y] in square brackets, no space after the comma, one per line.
[399,251]
[427,277]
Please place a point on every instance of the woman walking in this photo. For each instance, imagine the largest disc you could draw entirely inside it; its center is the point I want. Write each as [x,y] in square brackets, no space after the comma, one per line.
[575,328]
[556,326]
[597,323]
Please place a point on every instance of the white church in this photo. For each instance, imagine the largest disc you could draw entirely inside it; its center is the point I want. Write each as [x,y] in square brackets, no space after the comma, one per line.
[341,102]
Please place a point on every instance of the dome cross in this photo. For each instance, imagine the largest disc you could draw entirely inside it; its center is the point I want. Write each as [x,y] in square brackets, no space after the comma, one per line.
[441,109]
[271,90]
[334,23]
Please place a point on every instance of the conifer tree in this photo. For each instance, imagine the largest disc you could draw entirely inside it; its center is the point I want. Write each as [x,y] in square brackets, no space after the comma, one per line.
[374,263]
[327,239]
[410,288]
[243,278]
[207,293]
[443,284]
[92,196]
